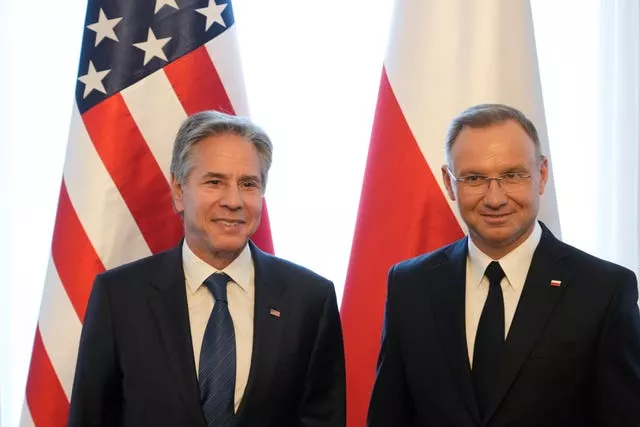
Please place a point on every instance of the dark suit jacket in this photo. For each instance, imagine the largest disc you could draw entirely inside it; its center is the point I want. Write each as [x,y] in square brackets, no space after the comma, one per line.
[571,358]
[136,367]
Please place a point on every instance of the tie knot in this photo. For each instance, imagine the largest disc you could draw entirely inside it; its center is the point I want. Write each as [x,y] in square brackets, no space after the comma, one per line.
[217,284]
[494,273]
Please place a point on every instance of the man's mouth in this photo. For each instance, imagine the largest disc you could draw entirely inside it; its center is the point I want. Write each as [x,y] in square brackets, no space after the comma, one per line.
[495,216]
[229,222]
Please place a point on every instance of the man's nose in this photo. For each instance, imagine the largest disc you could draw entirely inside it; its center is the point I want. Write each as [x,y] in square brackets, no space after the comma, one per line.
[495,195]
[232,197]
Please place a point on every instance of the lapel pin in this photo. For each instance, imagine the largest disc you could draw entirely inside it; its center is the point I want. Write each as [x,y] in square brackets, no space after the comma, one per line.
[274,312]
[555,283]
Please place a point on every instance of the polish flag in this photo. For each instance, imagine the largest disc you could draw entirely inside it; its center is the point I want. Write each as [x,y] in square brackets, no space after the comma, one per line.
[443,56]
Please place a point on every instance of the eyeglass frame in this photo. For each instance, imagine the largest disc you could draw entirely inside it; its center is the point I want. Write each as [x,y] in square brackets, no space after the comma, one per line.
[486,180]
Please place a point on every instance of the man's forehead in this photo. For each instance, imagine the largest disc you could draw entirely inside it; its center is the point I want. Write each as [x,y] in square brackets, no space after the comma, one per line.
[494,154]
[508,126]
[494,138]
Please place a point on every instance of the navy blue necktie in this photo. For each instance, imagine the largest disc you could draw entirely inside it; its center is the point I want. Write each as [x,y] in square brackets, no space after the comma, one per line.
[217,372]
[489,338]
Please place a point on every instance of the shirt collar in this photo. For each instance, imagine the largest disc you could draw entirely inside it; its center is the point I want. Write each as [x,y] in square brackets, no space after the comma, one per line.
[196,270]
[515,264]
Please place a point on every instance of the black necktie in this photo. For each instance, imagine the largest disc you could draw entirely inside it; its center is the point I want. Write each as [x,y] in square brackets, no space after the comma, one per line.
[217,372]
[489,338]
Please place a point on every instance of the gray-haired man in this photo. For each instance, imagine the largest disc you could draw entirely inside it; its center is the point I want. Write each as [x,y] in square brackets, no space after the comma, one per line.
[213,332]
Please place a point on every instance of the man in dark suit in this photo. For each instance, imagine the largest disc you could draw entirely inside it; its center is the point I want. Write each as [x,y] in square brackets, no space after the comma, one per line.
[213,332]
[508,326]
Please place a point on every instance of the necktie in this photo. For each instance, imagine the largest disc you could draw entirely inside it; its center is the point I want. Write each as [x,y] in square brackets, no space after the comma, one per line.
[489,338]
[217,372]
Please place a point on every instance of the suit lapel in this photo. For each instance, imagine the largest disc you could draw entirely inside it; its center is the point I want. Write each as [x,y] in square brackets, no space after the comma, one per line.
[448,296]
[169,307]
[535,307]
[267,328]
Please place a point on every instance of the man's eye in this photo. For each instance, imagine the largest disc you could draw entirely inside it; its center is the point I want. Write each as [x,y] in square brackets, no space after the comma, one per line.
[250,184]
[511,176]
[474,178]
[214,182]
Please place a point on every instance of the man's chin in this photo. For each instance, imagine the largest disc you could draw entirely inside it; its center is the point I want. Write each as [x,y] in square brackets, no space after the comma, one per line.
[234,244]
[495,236]
[496,222]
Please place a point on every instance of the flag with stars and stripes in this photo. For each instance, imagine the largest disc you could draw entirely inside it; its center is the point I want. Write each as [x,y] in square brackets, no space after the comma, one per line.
[145,66]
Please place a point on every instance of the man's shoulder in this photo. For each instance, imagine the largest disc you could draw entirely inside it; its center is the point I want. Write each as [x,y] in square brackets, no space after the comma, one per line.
[588,264]
[289,269]
[144,267]
[589,274]
[578,260]
[288,272]
[410,278]
[431,259]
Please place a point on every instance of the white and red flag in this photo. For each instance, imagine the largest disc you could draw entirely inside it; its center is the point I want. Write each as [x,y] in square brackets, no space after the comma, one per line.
[443,56]
[145,66]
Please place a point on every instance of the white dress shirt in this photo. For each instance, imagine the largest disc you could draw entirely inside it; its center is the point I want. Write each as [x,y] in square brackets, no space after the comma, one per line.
[515,266]
[240,297]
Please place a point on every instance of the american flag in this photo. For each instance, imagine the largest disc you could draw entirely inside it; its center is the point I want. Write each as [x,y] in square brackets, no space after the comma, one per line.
[145,66]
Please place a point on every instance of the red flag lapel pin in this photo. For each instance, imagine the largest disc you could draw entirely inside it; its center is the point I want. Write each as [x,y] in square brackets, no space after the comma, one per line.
[274,312]
[555,283]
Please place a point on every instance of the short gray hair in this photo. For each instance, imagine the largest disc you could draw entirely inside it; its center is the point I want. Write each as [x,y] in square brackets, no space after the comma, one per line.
[212,123]
[485,115]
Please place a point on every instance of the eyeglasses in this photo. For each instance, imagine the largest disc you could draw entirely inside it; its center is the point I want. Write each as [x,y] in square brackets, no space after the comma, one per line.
[479,184]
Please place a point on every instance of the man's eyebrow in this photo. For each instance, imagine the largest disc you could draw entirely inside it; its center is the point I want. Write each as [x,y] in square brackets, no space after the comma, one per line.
[508,169]
[516,168]
[252,177]
[464,172]
[220,175]
[214,175]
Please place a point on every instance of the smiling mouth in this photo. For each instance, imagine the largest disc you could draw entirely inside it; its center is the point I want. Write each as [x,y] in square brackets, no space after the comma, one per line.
[229,222]
[495,216]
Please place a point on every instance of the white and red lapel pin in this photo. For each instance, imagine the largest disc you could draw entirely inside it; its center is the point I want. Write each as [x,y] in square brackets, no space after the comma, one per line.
[274,312]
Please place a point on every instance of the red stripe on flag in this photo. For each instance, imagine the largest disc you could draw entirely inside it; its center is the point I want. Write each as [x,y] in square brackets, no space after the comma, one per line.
[135,172]
[46,399]
[402,213]
[76,261]
[262,236]
[197,84]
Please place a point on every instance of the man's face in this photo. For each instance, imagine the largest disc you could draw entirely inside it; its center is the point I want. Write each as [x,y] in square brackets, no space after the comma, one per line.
[221,200]
[498,221]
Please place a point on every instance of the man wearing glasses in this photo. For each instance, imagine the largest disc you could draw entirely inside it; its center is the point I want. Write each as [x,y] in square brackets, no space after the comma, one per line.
[508,326]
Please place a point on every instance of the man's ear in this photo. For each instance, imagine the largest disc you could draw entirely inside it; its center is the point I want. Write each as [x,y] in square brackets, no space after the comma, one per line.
[544,174]
[176,194]
[446,178]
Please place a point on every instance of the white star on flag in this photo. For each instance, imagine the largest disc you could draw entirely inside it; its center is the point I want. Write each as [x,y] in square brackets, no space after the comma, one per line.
[152,47]
[160,3]
[213,12]
[93,80]
[104,27]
